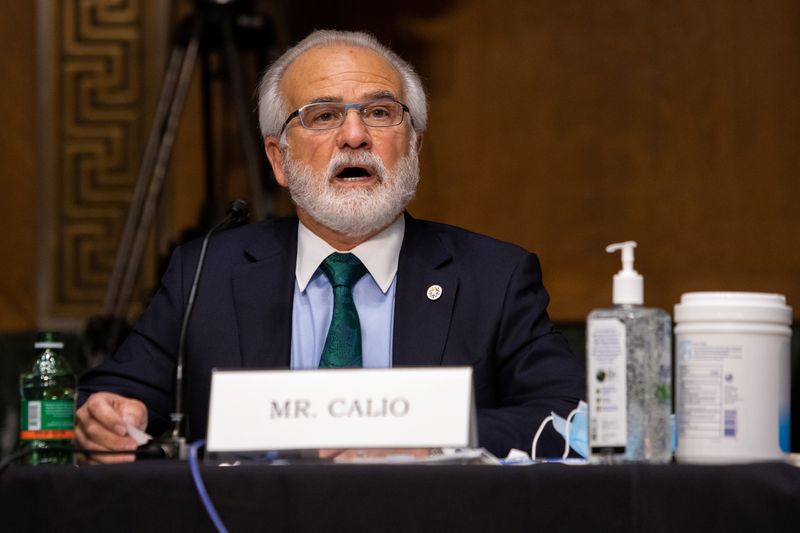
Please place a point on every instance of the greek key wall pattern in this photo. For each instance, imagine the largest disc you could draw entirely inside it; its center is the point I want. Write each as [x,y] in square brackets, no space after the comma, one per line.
[93,110]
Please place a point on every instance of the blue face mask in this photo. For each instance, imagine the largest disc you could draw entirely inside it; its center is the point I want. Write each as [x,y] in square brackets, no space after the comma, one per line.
[575,430]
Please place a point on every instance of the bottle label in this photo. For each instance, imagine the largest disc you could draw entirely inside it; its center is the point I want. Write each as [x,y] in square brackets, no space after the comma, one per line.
[47,420]
[607,387]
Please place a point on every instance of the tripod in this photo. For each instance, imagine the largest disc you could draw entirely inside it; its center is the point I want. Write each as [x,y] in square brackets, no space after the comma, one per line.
[223,25]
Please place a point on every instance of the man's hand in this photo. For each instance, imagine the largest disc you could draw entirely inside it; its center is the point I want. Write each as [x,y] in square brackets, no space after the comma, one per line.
[102,424]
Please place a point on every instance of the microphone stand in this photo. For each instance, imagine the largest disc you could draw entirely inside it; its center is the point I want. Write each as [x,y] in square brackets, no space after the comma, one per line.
[174,445]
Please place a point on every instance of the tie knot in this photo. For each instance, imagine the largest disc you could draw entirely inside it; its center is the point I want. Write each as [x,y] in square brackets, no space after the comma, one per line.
[343,270]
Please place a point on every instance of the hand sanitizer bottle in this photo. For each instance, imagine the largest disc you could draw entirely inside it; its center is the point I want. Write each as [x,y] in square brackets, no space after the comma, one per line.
[629,373]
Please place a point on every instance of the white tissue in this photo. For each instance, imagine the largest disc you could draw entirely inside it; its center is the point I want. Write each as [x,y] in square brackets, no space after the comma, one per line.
[138,435]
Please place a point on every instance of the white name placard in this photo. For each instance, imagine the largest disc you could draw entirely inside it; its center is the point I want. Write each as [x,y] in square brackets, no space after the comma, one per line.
[260,410]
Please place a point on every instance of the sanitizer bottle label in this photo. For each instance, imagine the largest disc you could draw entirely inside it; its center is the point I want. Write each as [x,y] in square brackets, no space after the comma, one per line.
[607,386]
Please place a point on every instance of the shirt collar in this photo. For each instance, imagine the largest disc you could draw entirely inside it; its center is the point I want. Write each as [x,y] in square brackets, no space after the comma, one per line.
[380,254]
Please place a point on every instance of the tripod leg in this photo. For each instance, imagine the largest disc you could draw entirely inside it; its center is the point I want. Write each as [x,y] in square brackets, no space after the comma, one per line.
[208,211]
[160,169]
[246,127]
[133,218]
[106,338]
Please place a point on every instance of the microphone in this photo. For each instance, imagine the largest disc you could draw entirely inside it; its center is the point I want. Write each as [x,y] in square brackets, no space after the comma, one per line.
[174,446]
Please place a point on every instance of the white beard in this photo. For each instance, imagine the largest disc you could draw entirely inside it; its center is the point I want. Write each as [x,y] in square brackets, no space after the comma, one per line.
[353,211]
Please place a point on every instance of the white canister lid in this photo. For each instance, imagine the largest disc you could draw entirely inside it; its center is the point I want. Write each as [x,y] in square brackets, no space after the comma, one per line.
[733,306]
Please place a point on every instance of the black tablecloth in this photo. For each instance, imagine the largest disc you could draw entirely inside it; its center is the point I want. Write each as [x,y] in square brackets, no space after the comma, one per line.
[160,496]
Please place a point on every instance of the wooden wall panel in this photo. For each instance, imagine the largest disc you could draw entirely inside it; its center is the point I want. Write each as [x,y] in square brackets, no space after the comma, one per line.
[92,149]
[17,167]
[98,65]
[565,126]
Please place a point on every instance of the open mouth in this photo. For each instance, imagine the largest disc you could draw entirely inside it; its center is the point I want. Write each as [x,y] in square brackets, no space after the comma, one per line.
[353,173]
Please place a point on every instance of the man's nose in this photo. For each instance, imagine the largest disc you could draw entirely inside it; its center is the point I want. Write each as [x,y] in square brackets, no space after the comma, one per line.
[353,133]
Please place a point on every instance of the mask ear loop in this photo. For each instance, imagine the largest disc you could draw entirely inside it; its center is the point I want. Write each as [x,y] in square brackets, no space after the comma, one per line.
[538,434]
[567,432]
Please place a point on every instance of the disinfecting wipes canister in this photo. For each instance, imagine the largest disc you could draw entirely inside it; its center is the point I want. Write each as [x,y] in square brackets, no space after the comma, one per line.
[732,355]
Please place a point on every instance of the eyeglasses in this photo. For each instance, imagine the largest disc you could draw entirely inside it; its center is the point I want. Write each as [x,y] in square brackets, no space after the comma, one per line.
[381,113]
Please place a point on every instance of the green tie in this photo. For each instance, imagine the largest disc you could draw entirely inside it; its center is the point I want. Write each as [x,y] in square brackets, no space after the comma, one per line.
[343,344]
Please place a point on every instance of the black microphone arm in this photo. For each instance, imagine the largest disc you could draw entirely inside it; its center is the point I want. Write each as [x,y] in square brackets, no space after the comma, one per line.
[174,446]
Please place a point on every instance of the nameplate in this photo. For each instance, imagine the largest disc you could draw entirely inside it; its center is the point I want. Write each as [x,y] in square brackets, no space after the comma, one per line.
[265,410]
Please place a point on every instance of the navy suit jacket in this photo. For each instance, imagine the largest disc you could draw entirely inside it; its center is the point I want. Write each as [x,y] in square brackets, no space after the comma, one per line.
[492,315]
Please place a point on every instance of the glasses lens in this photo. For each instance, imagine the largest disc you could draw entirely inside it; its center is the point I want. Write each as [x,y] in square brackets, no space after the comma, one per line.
[382,113]
[322,116]
[329,115]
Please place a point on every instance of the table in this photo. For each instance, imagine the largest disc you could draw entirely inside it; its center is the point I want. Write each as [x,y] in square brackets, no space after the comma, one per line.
[160,496]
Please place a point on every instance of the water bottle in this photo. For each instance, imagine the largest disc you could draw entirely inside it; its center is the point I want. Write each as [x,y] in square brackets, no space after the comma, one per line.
[47,405]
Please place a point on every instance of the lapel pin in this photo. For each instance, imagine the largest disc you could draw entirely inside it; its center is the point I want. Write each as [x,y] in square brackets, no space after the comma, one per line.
[434,292]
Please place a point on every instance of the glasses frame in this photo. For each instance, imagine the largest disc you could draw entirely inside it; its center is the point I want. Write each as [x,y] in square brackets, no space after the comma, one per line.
[357,106]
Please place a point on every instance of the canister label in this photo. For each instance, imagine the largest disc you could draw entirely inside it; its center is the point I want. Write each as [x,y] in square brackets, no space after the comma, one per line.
[724,409]
[709,390]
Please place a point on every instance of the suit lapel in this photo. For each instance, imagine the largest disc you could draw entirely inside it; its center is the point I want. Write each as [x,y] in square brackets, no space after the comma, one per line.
[422,323]
[263,291]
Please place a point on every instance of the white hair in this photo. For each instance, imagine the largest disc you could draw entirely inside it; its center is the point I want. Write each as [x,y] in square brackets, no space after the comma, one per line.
[272,107]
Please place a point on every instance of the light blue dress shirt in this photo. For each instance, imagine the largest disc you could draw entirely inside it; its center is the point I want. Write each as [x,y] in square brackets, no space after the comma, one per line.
[373,295]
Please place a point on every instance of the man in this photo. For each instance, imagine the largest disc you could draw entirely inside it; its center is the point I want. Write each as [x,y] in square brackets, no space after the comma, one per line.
[342,119]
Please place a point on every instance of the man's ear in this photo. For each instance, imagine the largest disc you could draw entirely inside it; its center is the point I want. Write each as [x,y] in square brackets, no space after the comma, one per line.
[419,141]
[275,155]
